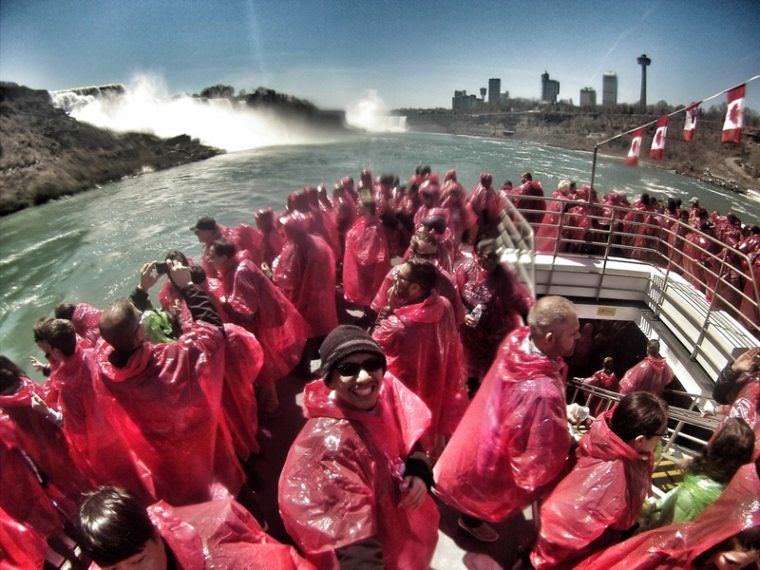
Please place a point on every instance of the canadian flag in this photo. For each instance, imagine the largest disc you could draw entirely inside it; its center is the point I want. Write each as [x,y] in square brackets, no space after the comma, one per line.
[658,142]
[732,126]
[633,153]
[690,121]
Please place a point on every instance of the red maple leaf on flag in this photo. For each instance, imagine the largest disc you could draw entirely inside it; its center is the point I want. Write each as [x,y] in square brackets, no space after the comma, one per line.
[733,114]
[693,114]
[635,147]
[658,138]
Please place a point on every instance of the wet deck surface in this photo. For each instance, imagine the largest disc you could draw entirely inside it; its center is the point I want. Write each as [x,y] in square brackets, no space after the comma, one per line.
[456,549]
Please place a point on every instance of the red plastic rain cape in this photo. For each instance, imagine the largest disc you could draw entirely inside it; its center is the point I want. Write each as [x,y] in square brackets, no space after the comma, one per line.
[444,285]
[652,374]
[548,232]
[513,439]
[747,407]
[21,547]
[305,272]
[220,534]
[255,303]
[601,379]
[598,499]
[695,260]
[243,361]
[271,245]
[422,347]
[677,546]
[21,495]
[246,238]
[528,196]
[503,302]
[85,320]
[97,446]
[45,444]
[749,310]
[341,480]
[366,261]
[163,409]
[485,203]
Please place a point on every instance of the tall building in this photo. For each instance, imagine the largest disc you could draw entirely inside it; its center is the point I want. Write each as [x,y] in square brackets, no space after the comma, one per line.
[494,89]
[588,97]
[643,61]
[609,89]
[549,88]
[464,102]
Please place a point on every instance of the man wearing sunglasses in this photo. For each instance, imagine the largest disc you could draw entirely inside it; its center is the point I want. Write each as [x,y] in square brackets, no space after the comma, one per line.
[421,341]
[354,488]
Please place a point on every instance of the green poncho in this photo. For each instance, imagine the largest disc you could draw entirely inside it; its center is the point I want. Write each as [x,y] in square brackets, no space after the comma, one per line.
[157,326]
[684,503]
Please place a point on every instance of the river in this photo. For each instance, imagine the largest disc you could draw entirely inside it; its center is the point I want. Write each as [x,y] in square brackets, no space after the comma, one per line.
[89,247]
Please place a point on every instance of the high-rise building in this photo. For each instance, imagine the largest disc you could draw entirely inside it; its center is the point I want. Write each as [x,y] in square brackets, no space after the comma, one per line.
[588,97]
[463,102]
[549,88]
[494,89]
[609,89]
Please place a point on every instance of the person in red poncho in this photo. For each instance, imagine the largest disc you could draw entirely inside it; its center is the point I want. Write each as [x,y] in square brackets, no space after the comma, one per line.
[547,233]
[20,545]
[34,428]
[485,204]
[513,441]
[305,272]
[599,501]
[253,302]
[652,374]
[528,197]
[604,378]
[116,532]
[97,446]
[354,489]
[725,536]
[247,239]
[272,239]
[85,319]
[367,258]
[496,303]
[161,391]
[421,342]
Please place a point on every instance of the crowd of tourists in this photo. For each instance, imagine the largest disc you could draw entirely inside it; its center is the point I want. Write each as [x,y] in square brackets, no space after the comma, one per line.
[430,375]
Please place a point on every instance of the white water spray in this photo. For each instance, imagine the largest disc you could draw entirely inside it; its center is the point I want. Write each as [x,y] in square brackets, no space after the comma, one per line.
[370,113]
[146,106]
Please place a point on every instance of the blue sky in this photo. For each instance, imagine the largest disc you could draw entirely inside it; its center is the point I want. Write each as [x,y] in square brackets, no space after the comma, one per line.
[412,53]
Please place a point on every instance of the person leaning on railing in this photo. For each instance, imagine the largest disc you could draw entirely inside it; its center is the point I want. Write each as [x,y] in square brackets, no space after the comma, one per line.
[744,369]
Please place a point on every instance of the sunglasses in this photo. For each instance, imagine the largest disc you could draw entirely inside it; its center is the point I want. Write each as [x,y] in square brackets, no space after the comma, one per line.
[353,368]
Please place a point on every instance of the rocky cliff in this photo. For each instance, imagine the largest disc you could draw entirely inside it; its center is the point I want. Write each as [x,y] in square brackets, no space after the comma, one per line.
[45,154]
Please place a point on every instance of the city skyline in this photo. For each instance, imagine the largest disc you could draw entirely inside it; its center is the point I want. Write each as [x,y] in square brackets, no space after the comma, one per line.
[412,54]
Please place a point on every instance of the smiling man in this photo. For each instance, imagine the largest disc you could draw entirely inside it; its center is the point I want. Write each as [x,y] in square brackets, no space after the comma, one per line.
[354,489]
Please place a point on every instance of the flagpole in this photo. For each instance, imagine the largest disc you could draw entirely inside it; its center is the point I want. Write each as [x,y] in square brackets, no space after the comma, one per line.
[650,123]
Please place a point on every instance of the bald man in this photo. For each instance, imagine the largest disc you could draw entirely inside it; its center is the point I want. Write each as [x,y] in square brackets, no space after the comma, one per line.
[513,441]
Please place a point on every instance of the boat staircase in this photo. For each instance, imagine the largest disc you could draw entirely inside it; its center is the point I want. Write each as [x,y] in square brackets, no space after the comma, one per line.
[611,275]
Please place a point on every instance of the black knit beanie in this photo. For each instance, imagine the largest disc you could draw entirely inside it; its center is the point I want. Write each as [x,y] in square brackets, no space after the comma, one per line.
[344,341]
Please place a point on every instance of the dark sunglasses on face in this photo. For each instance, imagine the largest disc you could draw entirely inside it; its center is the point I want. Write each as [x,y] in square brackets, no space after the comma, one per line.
[353,368]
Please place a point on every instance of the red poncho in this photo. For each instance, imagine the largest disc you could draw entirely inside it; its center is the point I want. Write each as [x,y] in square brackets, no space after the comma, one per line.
[341,482]
[444,285]
[529,196]
[548,233]
[422,347]
[366,261]
[271,245]
[503,300]
[85,320]
[696,260]
[600,379]
[600,498]
[20,546]
[747,407]
[255,303]
[305,272]
[243,361]
[220,534]
[677,546]
[485,201]
[21,495]
[164,412]
[97,446]
[43,441]
[652,374]
[513,440]
[247,241]
[748,309]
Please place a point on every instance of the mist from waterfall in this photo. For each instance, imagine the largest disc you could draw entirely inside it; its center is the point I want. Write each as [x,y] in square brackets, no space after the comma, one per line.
[371,114]
[146,106]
